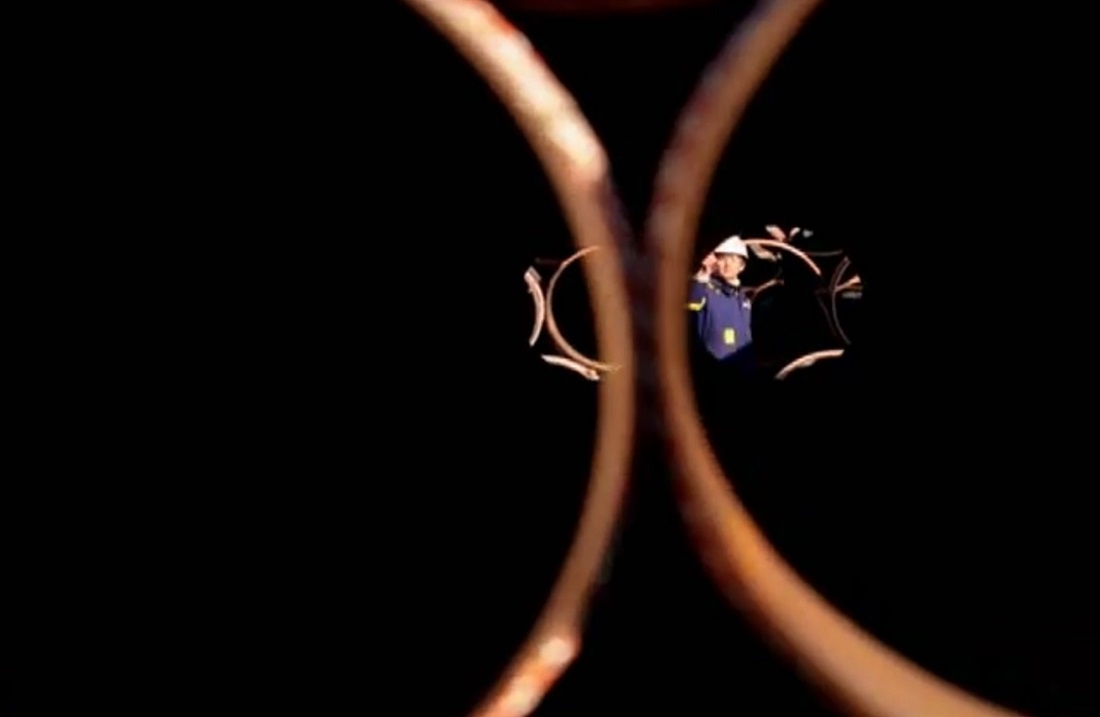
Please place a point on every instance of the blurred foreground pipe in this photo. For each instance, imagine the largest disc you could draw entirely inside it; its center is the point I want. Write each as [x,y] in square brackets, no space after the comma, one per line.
[862,675]
[576,166]
[835,287]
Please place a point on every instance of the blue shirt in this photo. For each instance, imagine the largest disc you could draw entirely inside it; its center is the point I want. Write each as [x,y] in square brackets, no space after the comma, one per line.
[723,318]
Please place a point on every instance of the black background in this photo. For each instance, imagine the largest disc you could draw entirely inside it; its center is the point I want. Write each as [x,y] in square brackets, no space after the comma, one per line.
[318,469]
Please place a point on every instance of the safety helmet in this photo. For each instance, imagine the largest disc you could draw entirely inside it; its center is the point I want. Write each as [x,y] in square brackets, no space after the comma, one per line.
[733,245]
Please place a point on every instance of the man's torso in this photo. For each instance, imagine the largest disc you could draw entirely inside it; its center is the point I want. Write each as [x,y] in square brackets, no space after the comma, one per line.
[723,316]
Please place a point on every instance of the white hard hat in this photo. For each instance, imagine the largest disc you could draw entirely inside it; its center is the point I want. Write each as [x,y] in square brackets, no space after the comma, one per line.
[733,245]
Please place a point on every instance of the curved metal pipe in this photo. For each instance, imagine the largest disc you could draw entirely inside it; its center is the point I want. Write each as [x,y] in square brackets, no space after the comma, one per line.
[590,373]
[552,325]
[864,676]
[534,288]
[808,360]
[576,165]
[784,246]
[834,290]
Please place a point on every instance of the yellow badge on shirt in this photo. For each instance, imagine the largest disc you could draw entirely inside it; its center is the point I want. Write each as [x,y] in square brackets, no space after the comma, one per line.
[729,336]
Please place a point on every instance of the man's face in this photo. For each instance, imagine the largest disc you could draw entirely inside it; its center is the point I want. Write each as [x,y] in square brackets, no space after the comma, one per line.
[729,266]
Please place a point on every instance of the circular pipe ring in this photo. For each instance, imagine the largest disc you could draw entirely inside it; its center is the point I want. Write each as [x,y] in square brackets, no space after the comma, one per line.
[535,290]
[784,246]
[860,673]
[552,325]
[577,168]
[808,360]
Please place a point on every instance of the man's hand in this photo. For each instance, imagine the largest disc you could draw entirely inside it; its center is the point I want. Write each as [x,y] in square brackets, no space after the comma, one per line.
[706,267]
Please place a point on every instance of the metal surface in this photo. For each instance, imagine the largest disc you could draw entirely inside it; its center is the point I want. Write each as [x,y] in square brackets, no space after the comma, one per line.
[784,246]
[576,165]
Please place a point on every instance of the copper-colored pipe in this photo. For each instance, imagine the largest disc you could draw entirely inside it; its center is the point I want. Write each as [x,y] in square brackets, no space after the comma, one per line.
[784,246]
[754,291]
[552,325]
[808,360]
[577,168]
[861,674]
[590,373]
[535,290]
[838,272]
[834,291]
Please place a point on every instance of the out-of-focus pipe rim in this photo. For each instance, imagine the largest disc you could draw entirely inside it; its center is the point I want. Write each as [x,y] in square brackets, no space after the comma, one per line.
[861,674]
[577,167]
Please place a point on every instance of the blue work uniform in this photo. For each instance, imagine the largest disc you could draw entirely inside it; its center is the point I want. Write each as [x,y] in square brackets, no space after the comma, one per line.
[723,319]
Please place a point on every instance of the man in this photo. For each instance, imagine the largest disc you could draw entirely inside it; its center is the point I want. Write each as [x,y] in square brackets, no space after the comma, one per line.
[722,312]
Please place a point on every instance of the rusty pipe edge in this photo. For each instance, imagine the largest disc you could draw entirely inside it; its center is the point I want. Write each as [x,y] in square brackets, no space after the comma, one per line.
[862,675]
[552,325]
[576,165]
[534,288]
